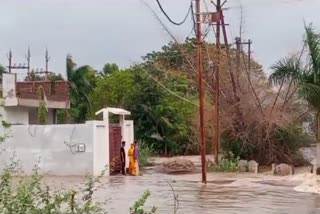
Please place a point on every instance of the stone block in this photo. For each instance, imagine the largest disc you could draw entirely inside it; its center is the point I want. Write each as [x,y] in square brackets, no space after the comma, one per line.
[282,169]
[243,166]
[253,167]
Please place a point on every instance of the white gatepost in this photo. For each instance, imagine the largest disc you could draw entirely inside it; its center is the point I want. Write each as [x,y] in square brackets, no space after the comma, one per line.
[126,135]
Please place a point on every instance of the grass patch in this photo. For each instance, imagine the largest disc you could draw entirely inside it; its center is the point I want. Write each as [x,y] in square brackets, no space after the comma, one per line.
[228,163]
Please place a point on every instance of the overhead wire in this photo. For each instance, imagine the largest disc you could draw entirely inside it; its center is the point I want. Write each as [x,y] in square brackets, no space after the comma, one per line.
[170,91]
[168,17]
[193,30]
[188,60]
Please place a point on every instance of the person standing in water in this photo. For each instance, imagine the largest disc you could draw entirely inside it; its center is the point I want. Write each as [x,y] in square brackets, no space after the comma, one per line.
[132,170]
[136,157]
[123,158]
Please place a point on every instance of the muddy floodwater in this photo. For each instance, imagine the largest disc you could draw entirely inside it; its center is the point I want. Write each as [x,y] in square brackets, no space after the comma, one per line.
[224,193]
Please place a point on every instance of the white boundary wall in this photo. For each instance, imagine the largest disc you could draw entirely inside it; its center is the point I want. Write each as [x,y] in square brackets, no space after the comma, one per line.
[56,146]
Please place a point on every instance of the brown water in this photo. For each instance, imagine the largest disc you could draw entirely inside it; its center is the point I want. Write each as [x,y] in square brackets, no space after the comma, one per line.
[224,193]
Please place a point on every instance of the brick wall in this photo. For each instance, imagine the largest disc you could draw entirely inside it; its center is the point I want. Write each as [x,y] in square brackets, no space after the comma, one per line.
[54,91]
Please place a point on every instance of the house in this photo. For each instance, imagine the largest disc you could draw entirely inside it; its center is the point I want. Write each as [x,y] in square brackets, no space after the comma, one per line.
[64,149]
[21,99]
[69,149]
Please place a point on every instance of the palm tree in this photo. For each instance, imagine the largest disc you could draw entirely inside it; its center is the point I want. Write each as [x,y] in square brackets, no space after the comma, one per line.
[302,78]
[81,84]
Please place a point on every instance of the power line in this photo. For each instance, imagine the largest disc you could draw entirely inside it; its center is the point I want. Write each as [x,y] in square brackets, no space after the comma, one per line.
[168,17]
[193,20]
[171,92]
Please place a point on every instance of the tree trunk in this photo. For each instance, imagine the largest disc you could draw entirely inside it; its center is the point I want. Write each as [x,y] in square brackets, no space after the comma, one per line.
[318,126]
[317,159]
[165,150]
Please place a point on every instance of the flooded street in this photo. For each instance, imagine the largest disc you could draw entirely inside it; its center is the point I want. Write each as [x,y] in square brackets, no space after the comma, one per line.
[224,193]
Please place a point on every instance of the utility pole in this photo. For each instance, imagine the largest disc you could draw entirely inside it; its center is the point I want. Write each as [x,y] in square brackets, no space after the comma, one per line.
[200,89]
[238,60]
[216,125]
[239,44]
[10,60]
[19,66]
[47,58]
[28,57]
[249,54]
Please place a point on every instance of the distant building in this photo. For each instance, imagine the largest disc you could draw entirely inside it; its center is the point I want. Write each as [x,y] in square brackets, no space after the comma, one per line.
[21,99]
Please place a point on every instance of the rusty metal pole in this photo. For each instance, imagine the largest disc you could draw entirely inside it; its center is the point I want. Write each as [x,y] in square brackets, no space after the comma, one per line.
[10,60]
[249,54]
[200,89]
[238,53]
[28,57]
[47,58]
[216,132]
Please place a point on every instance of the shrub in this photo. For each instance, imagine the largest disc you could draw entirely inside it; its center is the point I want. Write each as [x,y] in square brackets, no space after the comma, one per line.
[145,153]
[228,163]
[62,116]
[42,113]
[138,207]
[283,146]
[29,195]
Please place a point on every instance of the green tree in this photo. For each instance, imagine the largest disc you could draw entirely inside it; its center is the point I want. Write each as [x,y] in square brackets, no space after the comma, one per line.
[155,111]
[161,120]
[2,70]
[108,69]
[304,78]
[81,80]
[113,90]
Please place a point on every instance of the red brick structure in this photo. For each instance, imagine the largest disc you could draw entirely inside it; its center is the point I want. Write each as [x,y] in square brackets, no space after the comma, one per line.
[54,91]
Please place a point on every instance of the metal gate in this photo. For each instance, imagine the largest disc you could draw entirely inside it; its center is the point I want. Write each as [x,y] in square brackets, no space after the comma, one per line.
[114,148]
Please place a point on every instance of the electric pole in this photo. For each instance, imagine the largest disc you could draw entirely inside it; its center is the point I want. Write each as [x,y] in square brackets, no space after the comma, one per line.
[47,58]
[19,66]
[216,132]
[239,44]
[200,89]
[249,54]
[238,60]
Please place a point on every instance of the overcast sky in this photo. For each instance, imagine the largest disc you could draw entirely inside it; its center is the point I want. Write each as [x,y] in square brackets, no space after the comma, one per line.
[96,32]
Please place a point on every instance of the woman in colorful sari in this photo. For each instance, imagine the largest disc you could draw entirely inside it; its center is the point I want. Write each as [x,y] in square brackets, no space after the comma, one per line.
[132,164]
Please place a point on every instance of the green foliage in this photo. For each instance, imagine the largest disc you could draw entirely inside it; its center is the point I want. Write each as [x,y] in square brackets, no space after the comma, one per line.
[42,110]
[289,138]
[42,113]
[21,195]
[5,124]
[81,81]
[154,111]
[228,163]
[145,152]
[2,70]
[138,207]
[306,77]
[237,147]
[111,90]
[28,195]
[36,77]
[62,116]
[109,69]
